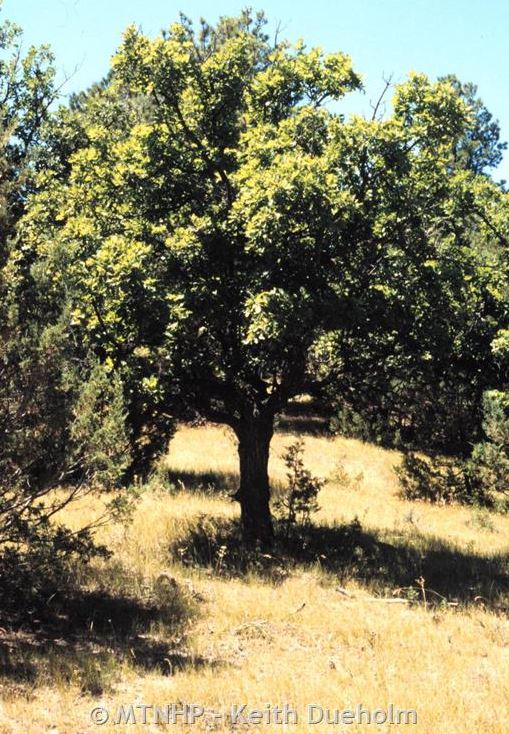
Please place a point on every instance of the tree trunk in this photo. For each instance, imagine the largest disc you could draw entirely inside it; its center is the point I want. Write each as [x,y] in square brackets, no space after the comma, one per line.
[254,435]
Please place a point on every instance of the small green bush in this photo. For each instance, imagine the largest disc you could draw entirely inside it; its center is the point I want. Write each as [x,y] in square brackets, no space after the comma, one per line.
[490,459]
[299,502]
[98,432]
[482,479]
[439,481]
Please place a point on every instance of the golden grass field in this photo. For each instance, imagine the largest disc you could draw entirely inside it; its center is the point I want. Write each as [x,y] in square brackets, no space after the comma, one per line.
[286,634]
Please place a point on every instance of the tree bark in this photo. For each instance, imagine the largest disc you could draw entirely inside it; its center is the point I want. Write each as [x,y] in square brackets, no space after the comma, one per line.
[254,435]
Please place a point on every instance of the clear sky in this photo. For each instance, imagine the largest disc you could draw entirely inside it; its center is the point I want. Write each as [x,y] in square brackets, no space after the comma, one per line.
[466,37]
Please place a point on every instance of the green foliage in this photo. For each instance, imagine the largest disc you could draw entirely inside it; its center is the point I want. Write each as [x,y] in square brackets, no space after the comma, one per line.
[51,438]
[480,148]
[482,479]
[236,223]
[98,432]
[61,429]
[62,422]
[299,500]
[178,170]
[222,239]
[40,560]
[439,481]
[490,458]
[38,376]
[26,91]
[374,426]
[425,411]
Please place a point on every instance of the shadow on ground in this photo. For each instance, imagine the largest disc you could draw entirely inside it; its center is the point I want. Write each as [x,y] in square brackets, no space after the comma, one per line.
[220,483]
[84,637]
[304,425]
[389,564]
[209,482]
[305,418]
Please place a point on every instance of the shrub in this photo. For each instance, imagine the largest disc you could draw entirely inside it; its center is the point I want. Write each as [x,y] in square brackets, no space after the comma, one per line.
[490,459]
[439,480]
[61,427]
[482,479]
[98,432]
[299,501]
[39,564]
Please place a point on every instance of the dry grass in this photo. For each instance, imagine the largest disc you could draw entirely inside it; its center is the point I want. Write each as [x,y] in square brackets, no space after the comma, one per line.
[279,638]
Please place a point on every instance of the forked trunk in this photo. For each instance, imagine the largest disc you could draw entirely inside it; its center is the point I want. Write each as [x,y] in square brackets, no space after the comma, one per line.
[254,437]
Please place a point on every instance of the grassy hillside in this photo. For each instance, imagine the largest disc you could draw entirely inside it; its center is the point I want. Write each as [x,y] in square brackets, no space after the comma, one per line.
[390,602]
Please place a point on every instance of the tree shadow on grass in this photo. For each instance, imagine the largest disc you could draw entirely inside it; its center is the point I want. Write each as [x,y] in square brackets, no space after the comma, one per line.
[309,418]
[84,637]
[219,483]
[388,563]
[210,482]
[303,425]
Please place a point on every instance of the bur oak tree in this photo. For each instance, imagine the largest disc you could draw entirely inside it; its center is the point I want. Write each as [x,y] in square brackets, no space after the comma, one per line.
[239,241]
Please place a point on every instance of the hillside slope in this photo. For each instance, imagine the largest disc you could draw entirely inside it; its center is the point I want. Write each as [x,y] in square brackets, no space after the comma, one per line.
[393,602]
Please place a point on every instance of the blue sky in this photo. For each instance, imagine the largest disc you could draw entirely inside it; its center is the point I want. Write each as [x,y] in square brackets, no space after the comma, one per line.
[465,37]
